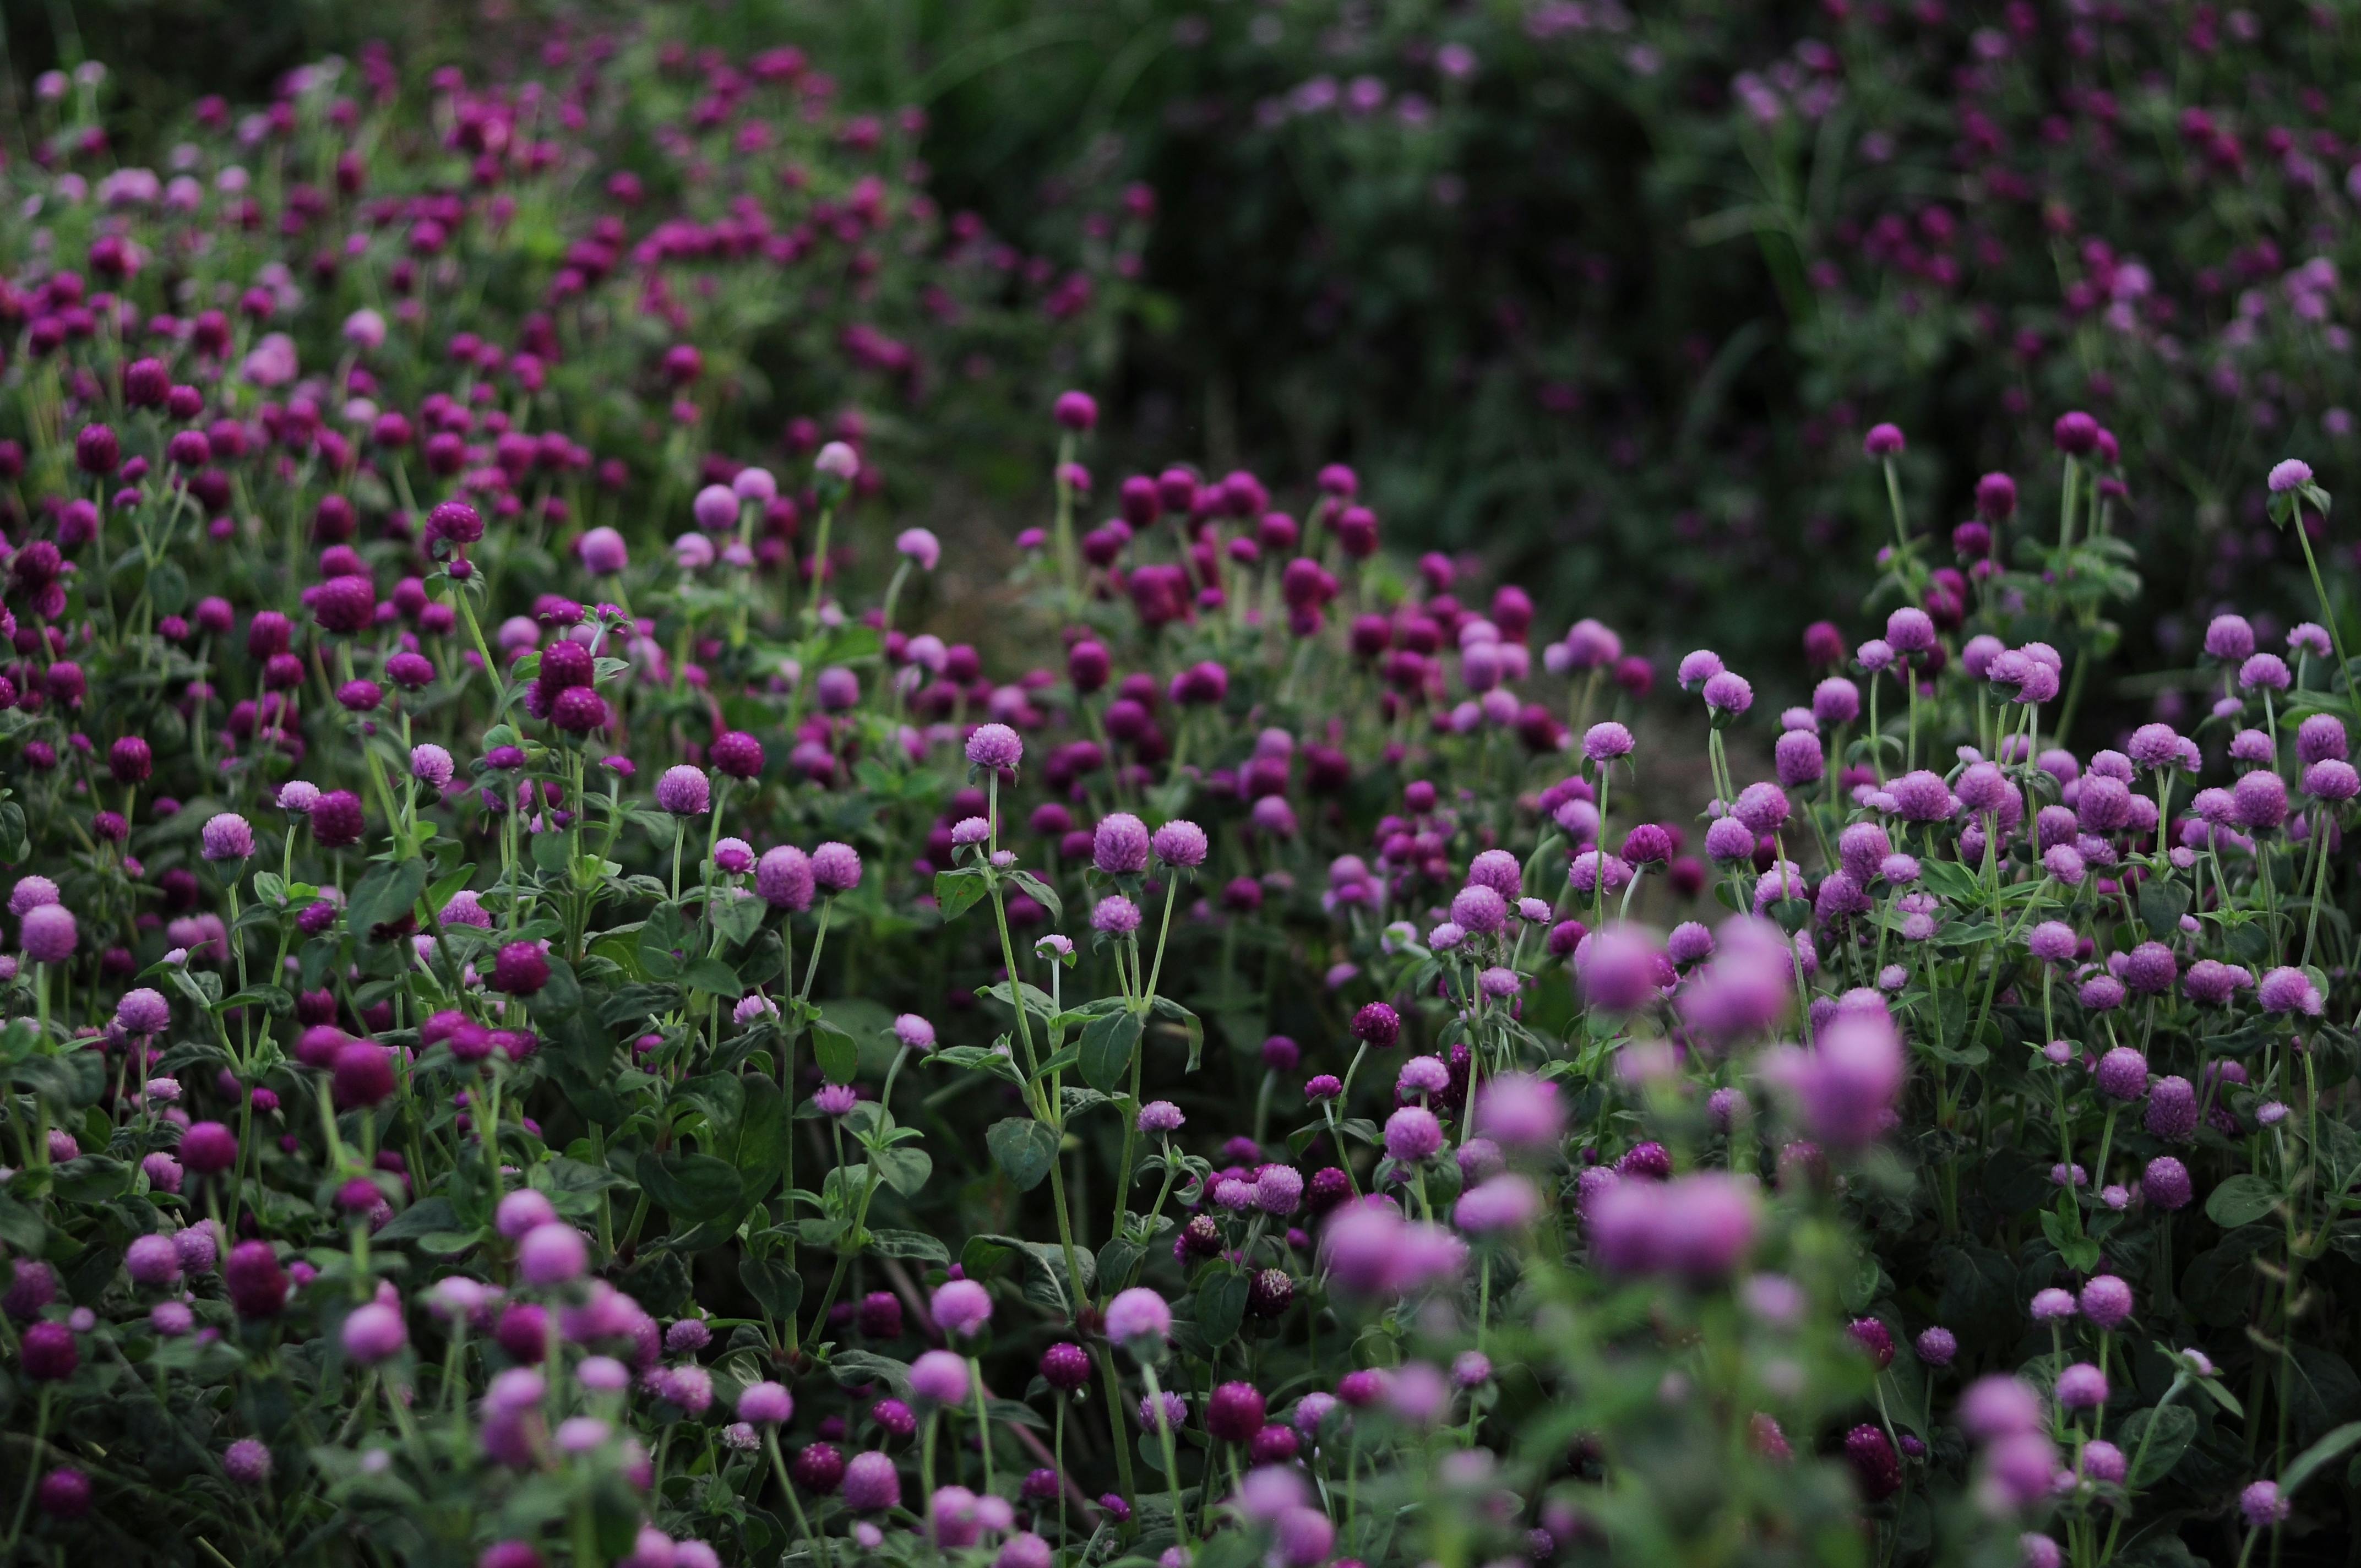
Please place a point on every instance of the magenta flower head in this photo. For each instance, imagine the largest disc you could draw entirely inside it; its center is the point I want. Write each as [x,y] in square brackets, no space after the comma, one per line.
[550,1254]
[1076,411]
[2289,474]
[2166,1183]
[2290,990]
[1762,806]
[2123,1074]
[961,1307]
[1938,1346]
[1140,1318]
[1119,847]
[2260,1503]
[1517,1110]
[2081,1387]
[684,791]
[1845,1088]
[940,1377]
[784,877]
[602,553]
[1996,497]
[766,1404]
[1114,916]
[836,867]
[1413,1135]
[1181,844]
[374,1332]
[48,934]
[1728,695]
[336,818]
[522,969]
[143,1012]
[1883,441]
[995,747]
[1620,968]
[1603,743]
[2106,1301]
[920,546]
[737,755]
[871,1484]
[1377,1024]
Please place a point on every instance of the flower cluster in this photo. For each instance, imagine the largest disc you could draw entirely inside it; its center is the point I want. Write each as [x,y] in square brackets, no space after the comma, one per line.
[554,1019]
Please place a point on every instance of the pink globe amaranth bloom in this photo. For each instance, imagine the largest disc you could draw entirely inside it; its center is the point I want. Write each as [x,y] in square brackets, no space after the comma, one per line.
[1728,694]
[2260,1503]
[1120,844]
[942,1377]
[2106,1301]
[1936,1346]
[227,836]
[2321,739]
[836,867]
[2020,1469]
[1846,1086]
[151,1260]
[522,1211]
[1076,411]
[602,553]
[1605,742]
[1504,1202]
[1996,1407]
[871,1484]
[1517,1110]
[2164,1183]
[837,462]
[2289,474]
[374,1332]
[1479,910]
[550,1254]
[1883,441]
[919,545]
[961,1307]
[766,1404]
[2290,990]
[1137,1317]
[2081,1387]
[1179,843]
[2123,1073]
[31,894]
[1413,1135]
[1497,870]
[1698,1228]
[1618,968]
[1116,915]
[48,934]
[684,791]
[248,1461]
[994,746]
[143,1012]
[1762,806]
[784,877]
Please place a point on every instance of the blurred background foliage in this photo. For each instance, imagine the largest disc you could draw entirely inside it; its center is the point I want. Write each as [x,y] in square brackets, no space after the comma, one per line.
[1604,297]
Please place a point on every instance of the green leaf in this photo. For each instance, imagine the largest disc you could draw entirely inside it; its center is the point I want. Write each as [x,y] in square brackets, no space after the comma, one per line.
[2240,1200]
[998,1063]
[1023,1148]
[1107,1045]
[957,892]
[1191,1026]
[691,1187]
[1221,1307]
[838,1053]
[384,896]
[1042,892]
[2167,1430]
[437,896]
[905,1169]
[421,1218]
[854,1367]
[563,994]
[773,1284]
[737,919]
[2079,1252]
[21,1227]
[910,1244]
[2308,1464]
[712,977]
[661,939]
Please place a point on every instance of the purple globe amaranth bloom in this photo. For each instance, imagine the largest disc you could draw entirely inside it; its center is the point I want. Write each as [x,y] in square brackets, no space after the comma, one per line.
[1727,695]
[766,1404]
[1620,968]
[1413,1135]
[996,747]
[961,1307]
[1922,796]
[1139,1317]
[1762,808]
[1882,441]
[1699,1227]
[227,836]
[2123,1074]
[1181,844]
[2320,737]
[48,934]
[684,791]
[2081,1387]
[336,818]
[2290,990]
[1938,1346]
[836,867]
[1606,741]
[2289,474]
[2261,1504]
[2106,1301]
[1120,844]
[784,877]
[871,1484]
[2164,1183]
[1797,758]
[1874,1463]
[1845,1087]
[522,969]
[2172,1109]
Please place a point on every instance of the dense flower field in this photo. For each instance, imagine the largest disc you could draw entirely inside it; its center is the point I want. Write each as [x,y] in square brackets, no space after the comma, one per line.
[553,1015]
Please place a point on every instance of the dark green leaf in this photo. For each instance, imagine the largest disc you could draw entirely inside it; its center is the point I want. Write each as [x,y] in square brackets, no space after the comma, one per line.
[905,1169]
[1221,1307]
[1043,894]
[691,1187]
[1023,1148]
[2309,1462]
[773,1284]
[1107,1043]
[2168,1431]
[2240,1200]
[421,1218]
[910,1244]
[384,897]
[712,977]
[838,1053]
[957,892]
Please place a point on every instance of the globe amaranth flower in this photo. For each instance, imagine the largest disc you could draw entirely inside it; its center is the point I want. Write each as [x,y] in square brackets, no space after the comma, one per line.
[1181,844]
[1120,844]
[2290,990]
[684,791]
[784,877]
[995,747]
[1114,916]
[836,867]
[1412,1134]
[2106,1301]
[2081,1387]
[1139,1317]
[2289,474]
[2164,1183]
